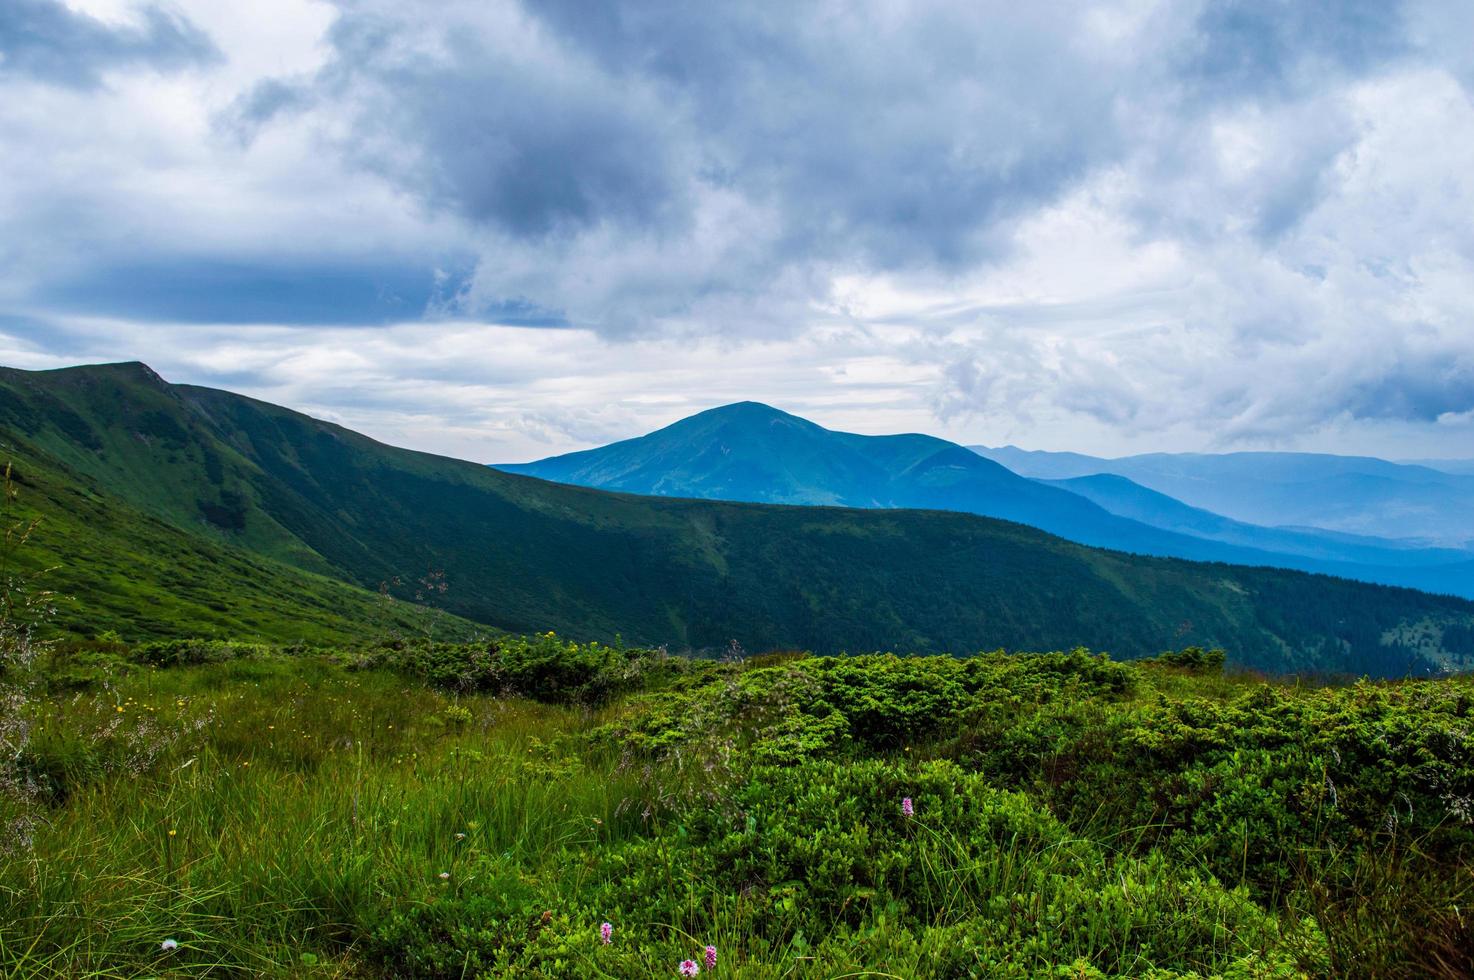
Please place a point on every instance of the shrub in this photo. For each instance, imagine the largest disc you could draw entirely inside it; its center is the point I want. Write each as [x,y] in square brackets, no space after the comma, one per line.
[469,935]
[1192,658]
[176,653]
[542,667]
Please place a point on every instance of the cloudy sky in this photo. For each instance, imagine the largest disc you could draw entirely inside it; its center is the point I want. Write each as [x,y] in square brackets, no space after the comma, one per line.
[501,230]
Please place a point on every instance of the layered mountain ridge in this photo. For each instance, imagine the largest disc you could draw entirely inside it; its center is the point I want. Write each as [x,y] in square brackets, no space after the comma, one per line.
[753,452]
[257,492]
[1358,495]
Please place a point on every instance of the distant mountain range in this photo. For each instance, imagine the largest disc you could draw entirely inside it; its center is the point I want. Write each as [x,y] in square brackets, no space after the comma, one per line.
[753,452]
[1126,498]
[1353,494]
[178,510]
[1463,466]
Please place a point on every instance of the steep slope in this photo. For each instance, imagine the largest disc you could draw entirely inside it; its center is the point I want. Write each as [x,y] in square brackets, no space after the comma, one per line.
[753,452]
[1352,494]
[114,567]
[526,554]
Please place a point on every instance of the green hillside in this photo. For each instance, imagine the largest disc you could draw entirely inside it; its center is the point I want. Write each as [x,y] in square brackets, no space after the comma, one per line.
[117,568]
[239,475]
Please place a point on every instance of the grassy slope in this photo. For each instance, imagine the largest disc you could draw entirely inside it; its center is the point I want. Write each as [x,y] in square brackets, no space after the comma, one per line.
[117,568]
[523,554]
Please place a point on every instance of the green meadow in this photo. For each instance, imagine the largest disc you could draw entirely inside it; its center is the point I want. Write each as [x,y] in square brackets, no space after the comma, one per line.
[408,809]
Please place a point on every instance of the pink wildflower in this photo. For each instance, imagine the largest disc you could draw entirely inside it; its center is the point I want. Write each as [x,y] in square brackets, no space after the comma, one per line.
[689,968]
[606,933]
[711,957]
[906,808]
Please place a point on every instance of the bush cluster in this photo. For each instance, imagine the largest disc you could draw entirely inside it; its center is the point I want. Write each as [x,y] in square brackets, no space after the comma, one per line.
[543,667]
[460,810]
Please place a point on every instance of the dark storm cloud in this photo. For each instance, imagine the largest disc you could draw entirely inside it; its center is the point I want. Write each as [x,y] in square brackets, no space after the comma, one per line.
[193,289]
[1213,213]
[513,138]
[903,143]
[1419,389]
[45,40]
[1241,47]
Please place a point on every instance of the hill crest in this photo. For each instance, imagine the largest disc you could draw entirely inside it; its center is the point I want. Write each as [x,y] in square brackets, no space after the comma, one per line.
[247,479]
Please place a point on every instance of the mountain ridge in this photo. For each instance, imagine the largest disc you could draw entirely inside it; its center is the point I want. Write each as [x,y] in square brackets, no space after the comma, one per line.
[753,452]
[525,554]
[1351,494]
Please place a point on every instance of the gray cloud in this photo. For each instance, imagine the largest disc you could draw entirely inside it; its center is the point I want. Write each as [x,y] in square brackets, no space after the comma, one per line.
[265,101]
[193,288]
[1419,389]
[1234,221]
[821,140]
[889,141]
[717,165]
[1258,47]
[45,40]
[519,138]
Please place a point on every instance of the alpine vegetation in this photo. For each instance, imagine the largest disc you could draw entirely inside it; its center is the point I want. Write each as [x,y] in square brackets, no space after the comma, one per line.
[540,807]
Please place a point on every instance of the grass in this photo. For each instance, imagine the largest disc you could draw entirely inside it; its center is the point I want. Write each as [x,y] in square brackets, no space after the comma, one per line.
[334,815]
[314,795]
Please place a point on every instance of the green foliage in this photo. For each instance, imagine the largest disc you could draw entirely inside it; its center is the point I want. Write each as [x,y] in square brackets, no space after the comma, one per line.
[481,934]
[543,667]
[180,508]
[832,705]
[116,569]
[372,811]
[1192,658]
[174,653]
[80,664]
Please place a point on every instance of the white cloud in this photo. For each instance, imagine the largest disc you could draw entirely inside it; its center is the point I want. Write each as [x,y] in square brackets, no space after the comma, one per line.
[1119,228]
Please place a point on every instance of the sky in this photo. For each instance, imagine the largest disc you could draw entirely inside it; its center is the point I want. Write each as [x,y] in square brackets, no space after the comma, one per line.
[504,230]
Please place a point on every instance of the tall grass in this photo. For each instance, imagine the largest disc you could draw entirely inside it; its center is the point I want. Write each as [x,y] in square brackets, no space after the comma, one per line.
[307,798]
[290,816]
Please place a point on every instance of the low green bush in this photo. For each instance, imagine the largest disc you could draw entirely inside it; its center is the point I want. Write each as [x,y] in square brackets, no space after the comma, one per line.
[542,667]
[292,813]
[1192,659]
[177,653]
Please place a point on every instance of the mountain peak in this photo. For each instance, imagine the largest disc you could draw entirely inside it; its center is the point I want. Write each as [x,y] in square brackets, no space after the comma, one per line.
[139,370]
[743,417]
[751,451]
[134,370]
[744,410]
